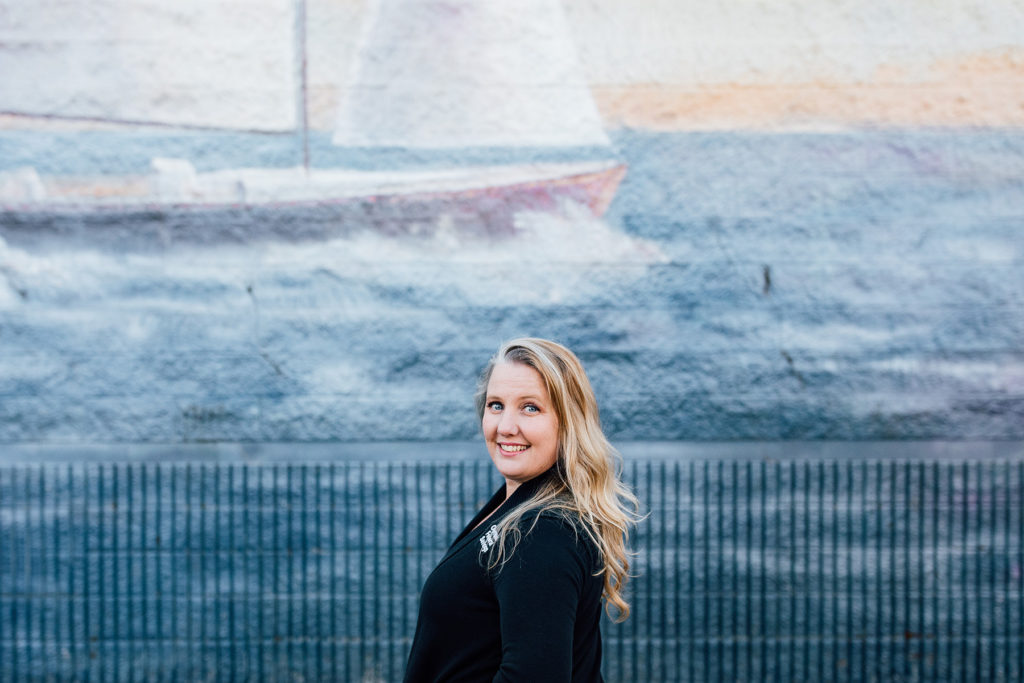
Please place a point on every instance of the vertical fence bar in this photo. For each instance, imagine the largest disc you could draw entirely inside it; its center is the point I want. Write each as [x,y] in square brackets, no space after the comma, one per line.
[663,564]
[23,577]
[350,558]
[677,637]
[164,602]
[18,579]
[63,568]
[961,573]
[318,630]
[104,537]
[286,599]
[301,631]
[334,579]
[691,636]
[7,575]
[405,547]
[12,544]
[761,550]
[1017,572]
[37,640]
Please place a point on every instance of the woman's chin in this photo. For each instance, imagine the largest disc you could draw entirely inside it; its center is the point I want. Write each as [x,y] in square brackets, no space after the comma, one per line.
[508,469]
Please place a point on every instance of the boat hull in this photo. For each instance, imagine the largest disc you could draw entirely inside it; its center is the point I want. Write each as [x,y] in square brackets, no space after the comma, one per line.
[478,208]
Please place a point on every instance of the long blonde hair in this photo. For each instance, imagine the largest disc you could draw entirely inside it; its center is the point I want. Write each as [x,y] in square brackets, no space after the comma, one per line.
[587,490]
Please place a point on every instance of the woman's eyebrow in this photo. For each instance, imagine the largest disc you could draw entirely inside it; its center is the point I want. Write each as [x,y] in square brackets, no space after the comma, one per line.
[527,397]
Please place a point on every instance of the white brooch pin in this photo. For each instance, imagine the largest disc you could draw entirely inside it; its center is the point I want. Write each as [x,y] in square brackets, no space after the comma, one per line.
[489,539]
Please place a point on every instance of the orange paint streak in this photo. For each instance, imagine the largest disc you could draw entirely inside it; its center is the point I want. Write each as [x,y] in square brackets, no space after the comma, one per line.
[971,90]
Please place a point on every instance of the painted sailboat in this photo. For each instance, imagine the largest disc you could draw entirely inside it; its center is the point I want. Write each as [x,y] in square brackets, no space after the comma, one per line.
[431,78]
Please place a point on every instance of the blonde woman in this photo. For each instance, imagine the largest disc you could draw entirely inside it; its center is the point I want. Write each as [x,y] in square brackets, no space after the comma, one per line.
[517,597]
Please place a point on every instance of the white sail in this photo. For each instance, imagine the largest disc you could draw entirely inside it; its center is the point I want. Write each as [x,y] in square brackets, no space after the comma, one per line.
[465,73]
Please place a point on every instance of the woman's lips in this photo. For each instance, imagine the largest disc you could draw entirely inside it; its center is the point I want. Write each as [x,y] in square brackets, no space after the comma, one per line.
[512,449]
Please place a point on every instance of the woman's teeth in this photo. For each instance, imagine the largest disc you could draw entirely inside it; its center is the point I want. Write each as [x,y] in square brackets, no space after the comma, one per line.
[513,448]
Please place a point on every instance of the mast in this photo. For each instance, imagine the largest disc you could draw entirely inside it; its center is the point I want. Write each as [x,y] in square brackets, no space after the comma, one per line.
[301,63]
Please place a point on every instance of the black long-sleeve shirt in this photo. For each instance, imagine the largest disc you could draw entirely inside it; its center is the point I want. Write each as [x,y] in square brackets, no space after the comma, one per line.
[535,619]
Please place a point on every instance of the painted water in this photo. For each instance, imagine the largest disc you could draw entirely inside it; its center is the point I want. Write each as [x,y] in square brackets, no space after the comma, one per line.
[849,285]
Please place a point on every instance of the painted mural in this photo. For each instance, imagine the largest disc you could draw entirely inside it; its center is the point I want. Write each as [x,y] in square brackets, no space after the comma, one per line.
[254,254]
[313,220]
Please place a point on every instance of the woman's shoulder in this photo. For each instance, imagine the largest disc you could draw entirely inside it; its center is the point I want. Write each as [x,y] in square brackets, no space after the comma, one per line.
[554,518]
[547,528]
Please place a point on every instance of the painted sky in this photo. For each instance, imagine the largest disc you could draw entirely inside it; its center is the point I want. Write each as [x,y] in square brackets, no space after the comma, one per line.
[797,63]
[660,64]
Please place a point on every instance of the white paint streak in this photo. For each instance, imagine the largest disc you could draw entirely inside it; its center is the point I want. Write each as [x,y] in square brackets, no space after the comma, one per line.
[795,41]
[222,63]
[214,277]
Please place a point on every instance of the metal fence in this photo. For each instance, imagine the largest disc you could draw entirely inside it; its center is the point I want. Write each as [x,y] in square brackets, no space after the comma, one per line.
[748,567]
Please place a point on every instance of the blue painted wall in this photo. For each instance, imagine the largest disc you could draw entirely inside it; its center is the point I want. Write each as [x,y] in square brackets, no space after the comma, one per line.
[754,283]
[857,285]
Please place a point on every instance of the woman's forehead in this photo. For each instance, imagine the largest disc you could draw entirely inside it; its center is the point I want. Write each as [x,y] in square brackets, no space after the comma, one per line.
[508,377]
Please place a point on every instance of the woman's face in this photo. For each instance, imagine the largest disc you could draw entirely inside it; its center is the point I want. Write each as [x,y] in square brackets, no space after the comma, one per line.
[519,424]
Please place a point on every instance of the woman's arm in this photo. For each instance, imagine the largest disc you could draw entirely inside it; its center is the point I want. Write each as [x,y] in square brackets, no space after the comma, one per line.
[538,591]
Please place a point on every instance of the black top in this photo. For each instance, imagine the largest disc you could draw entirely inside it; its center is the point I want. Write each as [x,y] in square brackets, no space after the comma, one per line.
[534,619]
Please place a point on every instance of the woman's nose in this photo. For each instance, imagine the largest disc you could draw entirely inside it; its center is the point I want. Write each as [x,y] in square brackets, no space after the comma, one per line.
[507,424]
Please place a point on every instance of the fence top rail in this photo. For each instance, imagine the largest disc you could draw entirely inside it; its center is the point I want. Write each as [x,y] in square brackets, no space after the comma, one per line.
[462,452]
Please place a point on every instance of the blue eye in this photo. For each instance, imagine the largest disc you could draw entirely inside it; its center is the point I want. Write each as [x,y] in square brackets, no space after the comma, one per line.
[494,405]
[530,408]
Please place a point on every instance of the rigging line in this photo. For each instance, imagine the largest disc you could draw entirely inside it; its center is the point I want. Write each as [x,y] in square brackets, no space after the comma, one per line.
[140,122]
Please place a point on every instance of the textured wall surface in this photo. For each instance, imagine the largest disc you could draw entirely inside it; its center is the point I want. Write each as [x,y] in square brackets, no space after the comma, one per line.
[860,280]
[660,63]
[225,64]
[756,286]
[818,237]
[840,257]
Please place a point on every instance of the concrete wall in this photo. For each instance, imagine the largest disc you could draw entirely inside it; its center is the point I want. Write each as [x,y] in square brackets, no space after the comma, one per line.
[817,236]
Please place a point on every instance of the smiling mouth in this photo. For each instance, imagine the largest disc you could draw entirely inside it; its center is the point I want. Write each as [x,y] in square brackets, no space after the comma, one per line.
[512,448]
